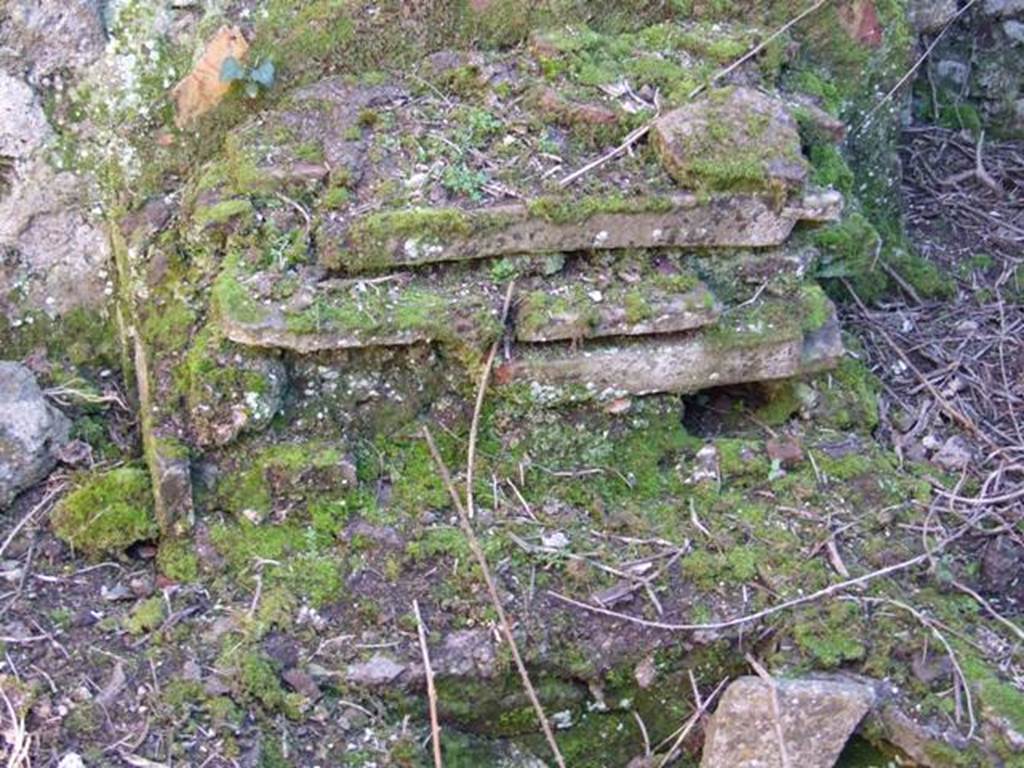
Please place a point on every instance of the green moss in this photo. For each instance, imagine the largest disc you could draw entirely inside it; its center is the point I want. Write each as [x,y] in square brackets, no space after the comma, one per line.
[177,560]
[81,338]
[256,684]
[182,696]
[145,617]
[336,198]
[306,567]
[106,512]
[783,401]
[304,37]
[925,276]
[850,394]
[375,237]
[638,308]
[833,636]
[168,327]
[416,485]
[570,210]
[279,473]
[830,169]
[850,250]
[815,308]
[223,211]
[439,541]
[231,298]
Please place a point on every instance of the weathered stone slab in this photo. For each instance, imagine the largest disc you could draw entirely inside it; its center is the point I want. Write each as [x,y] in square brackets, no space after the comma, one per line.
[816,719]
[410,308]
[428,235]
[573,312]
[352,314]
[760,351]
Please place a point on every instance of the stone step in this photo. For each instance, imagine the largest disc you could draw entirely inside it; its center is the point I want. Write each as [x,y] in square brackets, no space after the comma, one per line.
[395,175]
[411,237]
[575,311]
[585,300]
[773,339]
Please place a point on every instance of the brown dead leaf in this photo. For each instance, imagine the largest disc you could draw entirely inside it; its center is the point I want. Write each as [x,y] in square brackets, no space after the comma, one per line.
[202,89]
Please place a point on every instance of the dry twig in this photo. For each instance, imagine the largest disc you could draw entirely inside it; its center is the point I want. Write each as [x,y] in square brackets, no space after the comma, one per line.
[435,728]
[492,591]
[773,690]
[481,391]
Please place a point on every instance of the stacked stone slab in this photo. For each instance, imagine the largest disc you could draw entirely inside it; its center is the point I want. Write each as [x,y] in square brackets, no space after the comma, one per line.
[397,270]
[365,243]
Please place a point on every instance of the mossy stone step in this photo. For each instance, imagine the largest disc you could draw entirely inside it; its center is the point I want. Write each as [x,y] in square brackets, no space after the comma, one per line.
[587,300]
[416,236]
[774,339]
[576,311]
[397,310]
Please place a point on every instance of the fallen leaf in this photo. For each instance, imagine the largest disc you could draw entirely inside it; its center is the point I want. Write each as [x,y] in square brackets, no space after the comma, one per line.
[202,89]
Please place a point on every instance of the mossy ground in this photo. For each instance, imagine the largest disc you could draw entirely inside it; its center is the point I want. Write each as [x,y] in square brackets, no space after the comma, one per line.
[591,477]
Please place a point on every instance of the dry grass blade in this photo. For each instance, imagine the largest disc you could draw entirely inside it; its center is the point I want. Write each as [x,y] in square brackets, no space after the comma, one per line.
[773,689]
[428,671]
[481,391]
[492,591]
[16,735]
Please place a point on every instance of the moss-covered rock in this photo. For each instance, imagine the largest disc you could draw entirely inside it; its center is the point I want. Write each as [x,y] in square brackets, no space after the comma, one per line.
[107,512]
[734,139]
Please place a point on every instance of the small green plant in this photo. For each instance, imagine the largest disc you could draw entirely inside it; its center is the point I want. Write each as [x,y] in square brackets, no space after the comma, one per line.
[252,78]
[461,179]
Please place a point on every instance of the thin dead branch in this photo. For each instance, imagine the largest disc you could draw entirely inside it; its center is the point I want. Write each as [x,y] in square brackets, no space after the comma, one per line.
[773,690]
[428,671]
[813,597]
[492,591]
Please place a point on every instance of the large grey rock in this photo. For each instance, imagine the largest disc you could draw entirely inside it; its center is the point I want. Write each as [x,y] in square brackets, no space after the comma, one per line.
[54,255]
[378,671]
[23,125]
[931,15]
[1003,8]
[30,431]
[46,37]
[817,718]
